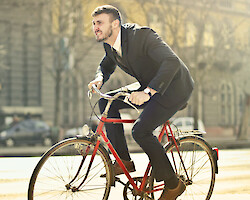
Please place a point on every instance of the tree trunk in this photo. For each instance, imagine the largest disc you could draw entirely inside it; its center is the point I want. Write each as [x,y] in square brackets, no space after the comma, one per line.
[57,97]
[195,100]
[242,135]
[196,108]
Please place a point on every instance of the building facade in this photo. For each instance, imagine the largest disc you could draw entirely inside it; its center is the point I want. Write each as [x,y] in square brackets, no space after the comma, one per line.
[219,61]
[21,77]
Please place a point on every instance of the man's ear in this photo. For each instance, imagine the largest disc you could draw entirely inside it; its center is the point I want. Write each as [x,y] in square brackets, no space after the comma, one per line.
[116,23]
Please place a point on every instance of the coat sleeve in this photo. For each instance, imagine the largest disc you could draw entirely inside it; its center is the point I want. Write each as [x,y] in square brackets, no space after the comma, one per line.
[168,61]
[106,68]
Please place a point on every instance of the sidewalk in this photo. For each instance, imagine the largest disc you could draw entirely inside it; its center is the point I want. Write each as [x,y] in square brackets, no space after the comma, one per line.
[228,143]
[224,141]
[221,142]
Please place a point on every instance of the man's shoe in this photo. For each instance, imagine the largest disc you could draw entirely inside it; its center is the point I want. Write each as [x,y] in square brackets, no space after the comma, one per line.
[118,170]
[172,194]
[128,164]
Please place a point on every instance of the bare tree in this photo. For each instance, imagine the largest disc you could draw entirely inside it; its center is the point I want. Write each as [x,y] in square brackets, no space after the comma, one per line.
[242,134]
[208,38]
[64,35]
[173,16]
[244,122]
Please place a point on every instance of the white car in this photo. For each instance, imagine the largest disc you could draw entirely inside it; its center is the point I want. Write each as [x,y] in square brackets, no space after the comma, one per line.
[73,132]
[187,124]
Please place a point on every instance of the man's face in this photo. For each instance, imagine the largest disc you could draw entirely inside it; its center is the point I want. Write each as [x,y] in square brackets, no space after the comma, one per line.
[102,27]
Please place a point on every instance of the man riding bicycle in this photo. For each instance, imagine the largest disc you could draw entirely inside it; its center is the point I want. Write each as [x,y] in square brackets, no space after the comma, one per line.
[166,86]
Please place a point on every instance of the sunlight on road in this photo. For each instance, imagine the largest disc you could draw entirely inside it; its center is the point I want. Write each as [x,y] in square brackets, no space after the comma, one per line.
[232,182]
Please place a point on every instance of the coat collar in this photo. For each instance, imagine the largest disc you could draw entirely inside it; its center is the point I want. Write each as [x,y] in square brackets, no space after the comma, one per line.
[124,43]
[118,43]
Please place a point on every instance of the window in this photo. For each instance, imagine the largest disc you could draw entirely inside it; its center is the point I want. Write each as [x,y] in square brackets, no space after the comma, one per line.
[25,125]
[5,73]
[226,104]
[178,124]
[189,123]
[248,35]
[191,34]
[30,69]
[208,36]
[226,3]
[39,125]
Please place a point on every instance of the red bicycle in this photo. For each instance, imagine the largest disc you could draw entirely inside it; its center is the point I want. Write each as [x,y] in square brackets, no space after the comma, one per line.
[73,168]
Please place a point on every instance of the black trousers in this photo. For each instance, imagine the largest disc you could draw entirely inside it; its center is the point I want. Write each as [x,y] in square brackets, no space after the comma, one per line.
[153,115]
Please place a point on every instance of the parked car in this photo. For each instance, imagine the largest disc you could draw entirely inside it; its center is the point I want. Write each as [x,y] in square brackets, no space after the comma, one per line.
[182,123]
[27,132]
[73,132]
[187,124]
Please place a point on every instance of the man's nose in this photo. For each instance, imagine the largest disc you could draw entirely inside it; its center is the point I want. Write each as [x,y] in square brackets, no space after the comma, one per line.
[95,28]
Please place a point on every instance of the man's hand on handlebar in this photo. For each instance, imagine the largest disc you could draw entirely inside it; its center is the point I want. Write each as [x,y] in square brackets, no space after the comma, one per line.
[138,98]
[97,82]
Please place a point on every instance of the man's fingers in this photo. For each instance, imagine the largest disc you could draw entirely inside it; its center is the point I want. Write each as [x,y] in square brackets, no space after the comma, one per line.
[138,98]
[133,98]
[97,83]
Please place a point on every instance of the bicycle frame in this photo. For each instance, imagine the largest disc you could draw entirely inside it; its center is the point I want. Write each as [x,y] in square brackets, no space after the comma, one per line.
[87,165]
[99,131]
[169,134]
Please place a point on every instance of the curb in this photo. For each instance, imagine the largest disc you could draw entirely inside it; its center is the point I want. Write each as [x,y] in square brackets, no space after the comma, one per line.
[28,151]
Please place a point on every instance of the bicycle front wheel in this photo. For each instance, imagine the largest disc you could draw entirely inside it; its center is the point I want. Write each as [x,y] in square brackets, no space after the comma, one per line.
[67,171]
[197,169]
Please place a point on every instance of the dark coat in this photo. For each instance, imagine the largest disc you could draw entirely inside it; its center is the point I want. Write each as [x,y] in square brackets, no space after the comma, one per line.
[152,62]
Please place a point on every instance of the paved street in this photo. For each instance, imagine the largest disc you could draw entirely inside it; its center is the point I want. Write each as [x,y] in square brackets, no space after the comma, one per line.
[232,182]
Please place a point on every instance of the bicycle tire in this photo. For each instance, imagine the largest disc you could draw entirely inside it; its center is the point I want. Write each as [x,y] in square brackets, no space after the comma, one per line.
[52,176]
[200,165]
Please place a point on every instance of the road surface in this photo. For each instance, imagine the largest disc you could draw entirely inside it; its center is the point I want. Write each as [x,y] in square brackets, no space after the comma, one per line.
[232,182]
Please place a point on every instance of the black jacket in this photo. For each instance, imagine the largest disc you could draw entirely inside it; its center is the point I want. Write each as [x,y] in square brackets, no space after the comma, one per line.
[152,62]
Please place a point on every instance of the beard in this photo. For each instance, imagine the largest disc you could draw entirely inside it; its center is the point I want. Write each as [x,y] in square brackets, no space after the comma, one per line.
[106,35]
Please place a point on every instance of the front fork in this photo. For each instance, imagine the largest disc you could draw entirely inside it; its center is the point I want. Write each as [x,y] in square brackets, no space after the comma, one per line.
[84,154]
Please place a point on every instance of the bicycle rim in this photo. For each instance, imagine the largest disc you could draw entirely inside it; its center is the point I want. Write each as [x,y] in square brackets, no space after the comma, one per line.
[199,164]
[55,175]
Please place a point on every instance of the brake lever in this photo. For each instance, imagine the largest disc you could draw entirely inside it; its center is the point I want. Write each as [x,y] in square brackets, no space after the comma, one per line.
[90,94]
[126,100]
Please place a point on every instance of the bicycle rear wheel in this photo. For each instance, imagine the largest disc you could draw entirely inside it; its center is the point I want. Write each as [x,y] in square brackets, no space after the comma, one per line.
[199,163]
[65,172]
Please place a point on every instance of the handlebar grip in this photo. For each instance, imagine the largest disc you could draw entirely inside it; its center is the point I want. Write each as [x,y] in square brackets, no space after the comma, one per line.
[95,88]
[106,96]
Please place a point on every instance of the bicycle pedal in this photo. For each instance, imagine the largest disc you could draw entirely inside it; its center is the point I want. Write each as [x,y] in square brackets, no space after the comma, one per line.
[119,181]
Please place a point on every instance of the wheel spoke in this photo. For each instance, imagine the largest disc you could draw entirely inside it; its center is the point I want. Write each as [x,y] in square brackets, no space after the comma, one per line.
[199,165]
[63,169]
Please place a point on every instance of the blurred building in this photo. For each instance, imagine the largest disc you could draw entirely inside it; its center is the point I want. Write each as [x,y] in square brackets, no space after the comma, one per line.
[47,42]
[22,80]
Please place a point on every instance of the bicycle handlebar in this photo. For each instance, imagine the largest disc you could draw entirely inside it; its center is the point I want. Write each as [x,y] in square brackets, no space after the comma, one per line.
[120,92]
[100,93]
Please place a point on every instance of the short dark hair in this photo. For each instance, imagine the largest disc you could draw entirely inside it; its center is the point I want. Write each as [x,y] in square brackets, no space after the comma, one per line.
[108,9]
